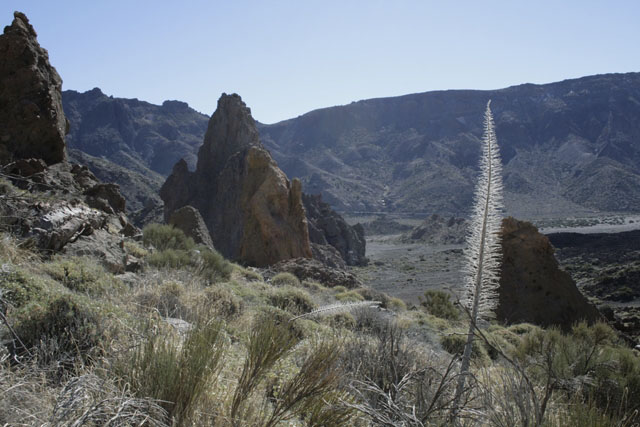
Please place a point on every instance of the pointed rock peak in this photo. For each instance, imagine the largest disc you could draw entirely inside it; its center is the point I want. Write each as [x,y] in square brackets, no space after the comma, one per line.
[32,122]
[231,130]
[20,24]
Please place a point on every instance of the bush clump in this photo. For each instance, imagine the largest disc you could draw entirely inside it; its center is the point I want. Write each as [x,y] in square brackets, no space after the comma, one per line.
[162,237]
[18,289]
[294,300]
[82,275]
[223,302]
[213,264]
[438,303]
[285,279]
[62,330]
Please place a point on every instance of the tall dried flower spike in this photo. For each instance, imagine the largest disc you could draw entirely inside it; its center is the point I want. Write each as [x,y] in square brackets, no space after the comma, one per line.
[483,254]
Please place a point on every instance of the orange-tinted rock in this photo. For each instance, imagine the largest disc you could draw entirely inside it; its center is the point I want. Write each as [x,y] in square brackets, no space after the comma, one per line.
[254,214]
[533,288]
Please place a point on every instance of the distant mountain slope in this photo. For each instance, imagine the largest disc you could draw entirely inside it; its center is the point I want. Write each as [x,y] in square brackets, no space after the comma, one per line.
[134,133]
[568,147]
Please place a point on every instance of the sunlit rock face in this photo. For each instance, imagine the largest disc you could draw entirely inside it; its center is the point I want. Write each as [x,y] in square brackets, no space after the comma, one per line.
[253,212]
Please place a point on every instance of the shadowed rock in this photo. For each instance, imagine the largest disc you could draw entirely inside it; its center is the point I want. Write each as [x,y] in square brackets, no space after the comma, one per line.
[32,123]
[532,287]
[253,213]
[327,227]
[189,220]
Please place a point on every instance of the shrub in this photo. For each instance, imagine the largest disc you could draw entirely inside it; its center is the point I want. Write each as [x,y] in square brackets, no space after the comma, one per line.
[294,300]
[439,304]
[214,266]
[82,275]
[166,299]
[223,302]
[285,279]
[454,343]
[397,304]
[18,289]
[134,249]
[349,296]
[162,236]
[170,258]
[177,374]
[62,330]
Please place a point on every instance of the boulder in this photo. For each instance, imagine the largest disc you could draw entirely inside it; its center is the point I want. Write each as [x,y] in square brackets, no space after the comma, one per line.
[32,122]
[311,269]
[327,227]
[189,220]
[106,197]
[252,211]
[328,255]
[533,288]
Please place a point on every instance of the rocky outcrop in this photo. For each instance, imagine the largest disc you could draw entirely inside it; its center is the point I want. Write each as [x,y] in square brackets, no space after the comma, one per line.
[189,220]
[438,230]
[32,123]
[532,287]
[327,227]
[311,269]
[54,205]
[254,214]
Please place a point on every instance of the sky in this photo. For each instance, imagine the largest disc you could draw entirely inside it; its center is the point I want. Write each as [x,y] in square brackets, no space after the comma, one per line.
[286,58]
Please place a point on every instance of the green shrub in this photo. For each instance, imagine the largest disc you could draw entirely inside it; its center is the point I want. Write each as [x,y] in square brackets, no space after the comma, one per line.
[170,258]
[162,237]
[18,289]
[177,374]
[166,299]
[66,328]
[454,344]
[285,279]
[83,275]
[439,304]
[349,296]
[397,304]
[134,249]
[294,300]
[214,266]
[223,302]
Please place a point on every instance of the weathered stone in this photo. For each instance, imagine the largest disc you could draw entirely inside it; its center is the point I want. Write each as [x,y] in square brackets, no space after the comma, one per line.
[25,167]
[328,255]
[327,227]
[253,213]
[532,287]
[304,268]
[32,123]
[189,220]
[106,197]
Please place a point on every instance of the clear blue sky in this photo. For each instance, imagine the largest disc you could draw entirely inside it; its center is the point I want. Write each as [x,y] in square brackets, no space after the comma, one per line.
[289,57]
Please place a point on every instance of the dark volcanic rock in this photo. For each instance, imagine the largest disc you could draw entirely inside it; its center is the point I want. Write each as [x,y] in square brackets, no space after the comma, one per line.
[438,230]
[32,123]
[327,227]
[135,134]
[106,197]
[189,220]
[383,225]
[254,214]
[328,255]
[532,287]
[312,269]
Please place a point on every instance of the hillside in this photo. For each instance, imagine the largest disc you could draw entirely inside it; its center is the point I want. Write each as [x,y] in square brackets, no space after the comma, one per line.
[118,129]
[568,147]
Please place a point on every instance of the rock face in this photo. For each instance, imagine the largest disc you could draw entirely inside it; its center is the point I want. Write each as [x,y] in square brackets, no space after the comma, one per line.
[55,205]
[254,214]
[327,227]
[438,230]
[189,220]
[311,269]
[32,122]
[532,287]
